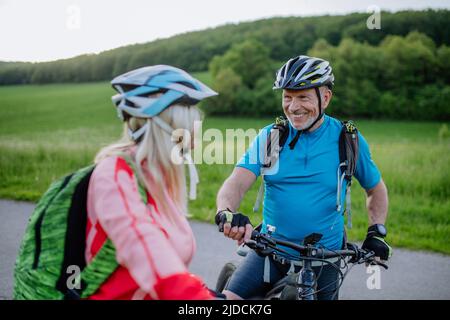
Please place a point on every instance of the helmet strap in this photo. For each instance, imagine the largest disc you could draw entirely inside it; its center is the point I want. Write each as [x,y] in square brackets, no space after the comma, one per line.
[163,125]
[193,174]
[137,135]
[320,110]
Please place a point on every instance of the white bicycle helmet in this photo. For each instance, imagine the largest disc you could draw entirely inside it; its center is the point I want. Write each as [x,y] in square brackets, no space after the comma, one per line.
[136,98]
[136,87]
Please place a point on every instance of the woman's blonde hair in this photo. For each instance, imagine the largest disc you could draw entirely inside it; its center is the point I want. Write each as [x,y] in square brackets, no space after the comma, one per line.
[153,158]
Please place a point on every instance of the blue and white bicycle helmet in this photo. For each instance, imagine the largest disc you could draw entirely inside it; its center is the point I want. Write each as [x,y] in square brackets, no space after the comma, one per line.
[135,89]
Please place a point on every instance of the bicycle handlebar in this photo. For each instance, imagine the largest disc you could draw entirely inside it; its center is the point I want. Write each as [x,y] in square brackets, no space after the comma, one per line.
[263,241]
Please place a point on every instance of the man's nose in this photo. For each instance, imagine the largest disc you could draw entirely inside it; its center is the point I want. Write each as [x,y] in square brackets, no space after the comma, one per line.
[294,105]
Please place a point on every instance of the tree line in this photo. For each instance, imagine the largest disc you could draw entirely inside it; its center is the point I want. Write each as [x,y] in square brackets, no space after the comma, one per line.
[193,51]
[403,77]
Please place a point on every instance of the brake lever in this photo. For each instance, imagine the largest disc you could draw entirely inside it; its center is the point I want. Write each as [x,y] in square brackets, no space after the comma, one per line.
[251,244]
[365,258]
[370,258]
[378,263]
[261,247]
[267,238]
[255,245]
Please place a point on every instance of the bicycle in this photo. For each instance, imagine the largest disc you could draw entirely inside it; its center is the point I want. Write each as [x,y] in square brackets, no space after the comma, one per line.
[301,285]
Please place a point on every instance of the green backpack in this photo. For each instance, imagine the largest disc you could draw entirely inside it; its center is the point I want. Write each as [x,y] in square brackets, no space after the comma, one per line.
[53,248]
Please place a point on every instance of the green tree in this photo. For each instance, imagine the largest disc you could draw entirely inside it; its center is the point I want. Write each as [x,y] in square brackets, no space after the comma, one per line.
[249,59]
[243,76]
[443,56]
[409,60]
[227,83]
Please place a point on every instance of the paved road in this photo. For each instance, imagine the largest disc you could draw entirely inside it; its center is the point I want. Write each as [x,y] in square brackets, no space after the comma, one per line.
[411,275]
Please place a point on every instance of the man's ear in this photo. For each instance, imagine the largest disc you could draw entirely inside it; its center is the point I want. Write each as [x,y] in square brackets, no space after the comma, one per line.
[327,94]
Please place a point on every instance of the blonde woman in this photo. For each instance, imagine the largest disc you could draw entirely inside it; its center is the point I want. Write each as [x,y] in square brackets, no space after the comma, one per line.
[137,195]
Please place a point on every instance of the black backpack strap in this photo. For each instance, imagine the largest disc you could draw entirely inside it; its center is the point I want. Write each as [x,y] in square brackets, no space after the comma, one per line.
[348,148]
[283,126]
[75,241]
[348,158]
[280,132]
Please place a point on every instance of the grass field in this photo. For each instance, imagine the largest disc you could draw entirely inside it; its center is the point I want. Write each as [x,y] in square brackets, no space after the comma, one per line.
[47,131]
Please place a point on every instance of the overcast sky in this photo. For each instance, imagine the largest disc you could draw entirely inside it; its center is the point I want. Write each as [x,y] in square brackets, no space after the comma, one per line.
[43,30]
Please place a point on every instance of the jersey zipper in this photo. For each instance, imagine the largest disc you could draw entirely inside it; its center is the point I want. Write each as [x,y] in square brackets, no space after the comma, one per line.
[306,151]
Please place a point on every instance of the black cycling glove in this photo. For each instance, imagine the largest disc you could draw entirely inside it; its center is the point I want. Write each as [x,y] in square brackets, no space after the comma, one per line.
[379,246]
[237,219]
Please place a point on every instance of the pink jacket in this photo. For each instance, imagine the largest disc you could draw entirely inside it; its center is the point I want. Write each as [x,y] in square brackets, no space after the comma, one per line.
[153,252]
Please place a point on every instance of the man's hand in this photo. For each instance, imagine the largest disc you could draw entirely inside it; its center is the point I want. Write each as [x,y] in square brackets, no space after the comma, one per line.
[234,225]
[378,245]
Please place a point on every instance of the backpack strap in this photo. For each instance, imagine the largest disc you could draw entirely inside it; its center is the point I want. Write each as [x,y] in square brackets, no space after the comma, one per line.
[348,158]
[348,148]
[279,132]
[98,270]
[75,238]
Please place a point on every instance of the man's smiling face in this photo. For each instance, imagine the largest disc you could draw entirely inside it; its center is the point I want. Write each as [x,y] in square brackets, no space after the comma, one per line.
[301,107]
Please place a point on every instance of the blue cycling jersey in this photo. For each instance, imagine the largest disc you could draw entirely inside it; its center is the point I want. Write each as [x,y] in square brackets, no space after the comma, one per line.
[300,190]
